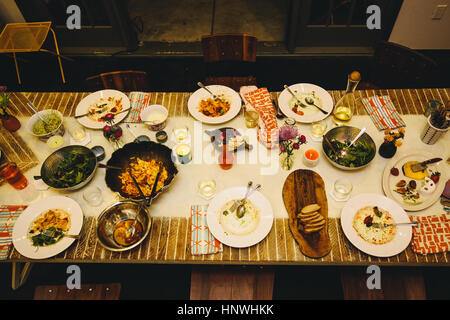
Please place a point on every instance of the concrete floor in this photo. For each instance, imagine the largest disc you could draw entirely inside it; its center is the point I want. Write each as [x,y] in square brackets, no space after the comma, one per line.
[188,20]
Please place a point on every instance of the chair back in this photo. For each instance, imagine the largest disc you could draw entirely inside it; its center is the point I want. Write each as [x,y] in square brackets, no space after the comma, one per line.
[229,47]
[396,65]
[128,80]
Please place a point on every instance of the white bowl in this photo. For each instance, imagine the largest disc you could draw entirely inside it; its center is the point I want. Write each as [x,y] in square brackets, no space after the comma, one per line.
[155,109]
[59,130]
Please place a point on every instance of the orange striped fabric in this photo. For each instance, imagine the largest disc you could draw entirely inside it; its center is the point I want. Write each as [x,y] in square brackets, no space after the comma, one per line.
[432,235]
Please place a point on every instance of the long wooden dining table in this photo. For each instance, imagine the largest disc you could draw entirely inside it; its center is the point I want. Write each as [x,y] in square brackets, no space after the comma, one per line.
[169,239]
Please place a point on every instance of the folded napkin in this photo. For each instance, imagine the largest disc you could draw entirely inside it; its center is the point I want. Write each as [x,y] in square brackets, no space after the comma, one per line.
[8,216]
[268,126]
[246,89]
[202,241]
[138,101]
[432,235]
[383,112]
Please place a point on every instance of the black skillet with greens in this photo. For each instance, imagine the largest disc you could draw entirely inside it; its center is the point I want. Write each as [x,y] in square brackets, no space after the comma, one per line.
[72,170]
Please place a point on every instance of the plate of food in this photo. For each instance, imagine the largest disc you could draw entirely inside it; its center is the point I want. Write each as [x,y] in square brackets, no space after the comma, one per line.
[40,231]
[308,95]
[91,110]
[414,190]
[366,221]
[203,107]
[239,231]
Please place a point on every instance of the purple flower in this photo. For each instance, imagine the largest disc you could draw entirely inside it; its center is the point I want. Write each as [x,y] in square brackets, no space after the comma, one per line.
[296,146]
[287,133]
[106,129]
[108,116]
[302,139]
[282,148]
[118,133]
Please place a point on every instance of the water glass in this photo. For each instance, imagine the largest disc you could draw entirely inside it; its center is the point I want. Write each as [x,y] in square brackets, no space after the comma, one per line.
[77,132]
[342,189]
[207,188]
[318,129]
[93,196]
[181,134]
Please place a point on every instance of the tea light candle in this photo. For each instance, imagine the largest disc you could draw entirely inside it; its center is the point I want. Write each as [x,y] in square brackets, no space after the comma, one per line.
[311,157]
[184,153]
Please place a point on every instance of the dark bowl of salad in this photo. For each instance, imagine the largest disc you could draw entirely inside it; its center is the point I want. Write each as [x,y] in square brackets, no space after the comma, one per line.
[358,156]
[69,168]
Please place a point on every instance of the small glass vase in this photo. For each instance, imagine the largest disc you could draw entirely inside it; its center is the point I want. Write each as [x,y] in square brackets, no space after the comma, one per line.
[11,123]
[287,160]
[116,143]
[387,150]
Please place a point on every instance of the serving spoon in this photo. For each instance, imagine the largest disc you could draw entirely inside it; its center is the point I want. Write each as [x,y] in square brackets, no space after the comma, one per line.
[298,103]
[38,114]
[344,150]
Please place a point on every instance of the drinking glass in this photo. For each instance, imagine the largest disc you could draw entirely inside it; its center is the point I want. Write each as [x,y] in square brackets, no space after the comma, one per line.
[77,132]
[207,188]
[251,118]
[342,189]
[12,174]
[181,134]
[93,196]
[318,129]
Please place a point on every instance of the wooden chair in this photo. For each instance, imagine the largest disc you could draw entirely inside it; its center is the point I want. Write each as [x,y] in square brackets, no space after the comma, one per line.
[128,80]
[396,284]
[229,59]
[104,291]
[396,66]
[231,283]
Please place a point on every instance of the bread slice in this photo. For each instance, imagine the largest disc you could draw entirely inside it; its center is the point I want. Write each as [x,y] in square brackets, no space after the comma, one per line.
[310,208]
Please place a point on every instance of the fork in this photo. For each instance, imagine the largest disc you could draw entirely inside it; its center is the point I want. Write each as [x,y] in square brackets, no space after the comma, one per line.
[51,234]
[385,225]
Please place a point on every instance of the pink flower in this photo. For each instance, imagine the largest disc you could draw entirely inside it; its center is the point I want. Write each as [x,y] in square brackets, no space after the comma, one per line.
[118,133]
[282,148]
[106,129]
[108,116]
[287,133]
[296,146]
[302,139]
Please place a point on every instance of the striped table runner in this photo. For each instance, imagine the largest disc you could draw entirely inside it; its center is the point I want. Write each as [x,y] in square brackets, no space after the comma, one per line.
[202,240]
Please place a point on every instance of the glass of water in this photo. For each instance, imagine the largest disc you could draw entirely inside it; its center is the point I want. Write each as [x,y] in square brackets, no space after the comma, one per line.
[342,189]
[318,129]
[207,188]
[93,196]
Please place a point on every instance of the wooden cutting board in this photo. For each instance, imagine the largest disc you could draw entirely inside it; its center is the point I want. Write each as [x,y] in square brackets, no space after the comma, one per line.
[301,188]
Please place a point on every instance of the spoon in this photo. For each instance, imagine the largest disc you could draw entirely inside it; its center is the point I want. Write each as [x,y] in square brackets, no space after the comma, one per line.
[310,101]
[241,209]
[344,150]
[212,94]
[237,202]
[385,225]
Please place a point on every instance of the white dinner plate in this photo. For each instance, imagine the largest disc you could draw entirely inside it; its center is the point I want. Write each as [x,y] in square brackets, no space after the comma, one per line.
[25,246]
[229,94]
[94,98]
[311,114]
[240,241]
[402,236]
[389,180]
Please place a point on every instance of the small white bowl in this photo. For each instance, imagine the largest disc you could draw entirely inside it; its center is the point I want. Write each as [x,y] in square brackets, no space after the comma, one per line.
[151,110]
[59,130]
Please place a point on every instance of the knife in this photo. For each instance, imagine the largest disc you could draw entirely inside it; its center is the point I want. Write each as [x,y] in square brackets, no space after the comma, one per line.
[423,165]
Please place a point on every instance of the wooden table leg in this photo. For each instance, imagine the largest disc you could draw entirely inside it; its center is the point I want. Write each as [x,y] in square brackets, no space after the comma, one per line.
[396,284]
[20,272]
[231,283]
